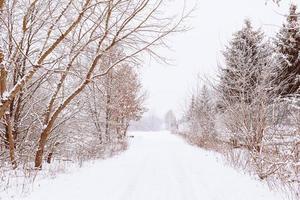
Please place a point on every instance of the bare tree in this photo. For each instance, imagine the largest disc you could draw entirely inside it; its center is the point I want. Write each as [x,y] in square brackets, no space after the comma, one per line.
[35,32]
[52,57]
[136,27]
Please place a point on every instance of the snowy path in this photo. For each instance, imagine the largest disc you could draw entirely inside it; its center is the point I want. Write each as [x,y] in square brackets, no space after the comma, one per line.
[157,166]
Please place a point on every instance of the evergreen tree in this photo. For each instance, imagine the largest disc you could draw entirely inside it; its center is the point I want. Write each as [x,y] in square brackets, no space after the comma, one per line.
[203,102]
[245,58]
[287,73]
[190,114]
[200,114]
[205,112]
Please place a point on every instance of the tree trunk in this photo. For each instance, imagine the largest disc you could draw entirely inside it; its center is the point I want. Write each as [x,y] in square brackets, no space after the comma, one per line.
[107,123]
[50,155]
[297,156]
[10,138]
[2,2]
[107,118]
[108,109]
[40,152]
[125,130]
[3,75]
[8,125]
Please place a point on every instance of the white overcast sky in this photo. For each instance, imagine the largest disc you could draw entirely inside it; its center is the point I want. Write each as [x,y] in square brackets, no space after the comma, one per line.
[198,50]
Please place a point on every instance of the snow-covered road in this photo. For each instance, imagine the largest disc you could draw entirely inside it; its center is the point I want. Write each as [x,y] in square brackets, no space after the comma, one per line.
[157,166]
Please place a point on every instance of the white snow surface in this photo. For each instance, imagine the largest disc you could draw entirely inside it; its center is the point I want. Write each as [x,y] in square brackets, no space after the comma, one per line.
[157,166]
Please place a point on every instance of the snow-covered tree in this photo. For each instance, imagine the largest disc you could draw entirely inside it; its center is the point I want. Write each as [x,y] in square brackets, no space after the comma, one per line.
[244,87]
[205,112]
[287,42]
[190,115]
[200,116]
[245,57]
[52,51]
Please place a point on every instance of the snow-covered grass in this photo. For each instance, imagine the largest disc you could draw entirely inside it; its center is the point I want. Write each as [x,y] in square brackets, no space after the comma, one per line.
[157,165]
[18,183]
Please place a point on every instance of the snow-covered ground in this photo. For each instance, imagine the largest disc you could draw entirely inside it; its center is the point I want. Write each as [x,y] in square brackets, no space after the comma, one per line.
[157,166]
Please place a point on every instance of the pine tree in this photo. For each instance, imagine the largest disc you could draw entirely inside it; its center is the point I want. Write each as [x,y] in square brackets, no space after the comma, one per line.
[287,73]
[245,58]
[200,114]
[203,103]
[205,112]
[191,115]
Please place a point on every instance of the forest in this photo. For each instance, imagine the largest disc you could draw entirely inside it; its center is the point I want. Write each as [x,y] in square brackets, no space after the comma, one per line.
[252,114]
